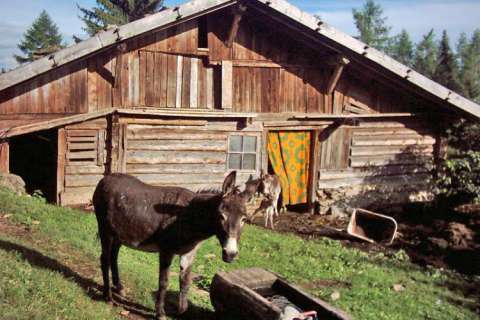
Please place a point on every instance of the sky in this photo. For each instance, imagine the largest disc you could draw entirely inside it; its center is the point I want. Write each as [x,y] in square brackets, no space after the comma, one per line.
[416,16]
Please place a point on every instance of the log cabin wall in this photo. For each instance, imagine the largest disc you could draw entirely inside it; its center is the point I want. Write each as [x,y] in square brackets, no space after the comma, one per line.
[188,153]
[82,160]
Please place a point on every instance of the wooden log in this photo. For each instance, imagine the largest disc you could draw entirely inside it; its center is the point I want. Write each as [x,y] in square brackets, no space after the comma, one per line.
[387,150]
[152,121]
[82,180]
[394,141]
[337,73]
[388,160]
[152,133]
[4,157]
[87,169]
[157,157]
[238,12]
[327,174]
[90,154]
[175,168]
[76,196]
[417,179]
[178,145]
[180,178]
[227,85]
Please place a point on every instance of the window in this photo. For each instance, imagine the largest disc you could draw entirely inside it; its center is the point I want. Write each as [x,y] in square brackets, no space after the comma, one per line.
[242,152]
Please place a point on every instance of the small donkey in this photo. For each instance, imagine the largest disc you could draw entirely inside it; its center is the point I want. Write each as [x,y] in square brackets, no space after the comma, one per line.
[269,187]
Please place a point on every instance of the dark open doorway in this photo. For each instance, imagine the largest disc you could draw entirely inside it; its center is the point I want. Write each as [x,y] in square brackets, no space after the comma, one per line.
[34,158]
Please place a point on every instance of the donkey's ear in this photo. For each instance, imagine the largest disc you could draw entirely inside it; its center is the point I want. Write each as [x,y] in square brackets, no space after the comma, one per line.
[250,178]
[229,182]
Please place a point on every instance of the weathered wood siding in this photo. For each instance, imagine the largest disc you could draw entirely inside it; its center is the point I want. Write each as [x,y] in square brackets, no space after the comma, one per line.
[377,152]
[85,160]
[63,90]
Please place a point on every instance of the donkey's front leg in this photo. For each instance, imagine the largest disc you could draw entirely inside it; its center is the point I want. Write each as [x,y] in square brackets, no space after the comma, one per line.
[186,262]
[165,262]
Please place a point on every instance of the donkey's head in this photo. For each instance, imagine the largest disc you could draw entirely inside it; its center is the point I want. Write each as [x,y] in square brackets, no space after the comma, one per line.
[231,217]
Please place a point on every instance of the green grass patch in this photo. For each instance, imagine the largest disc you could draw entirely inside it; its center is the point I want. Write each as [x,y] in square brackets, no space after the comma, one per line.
[365,281]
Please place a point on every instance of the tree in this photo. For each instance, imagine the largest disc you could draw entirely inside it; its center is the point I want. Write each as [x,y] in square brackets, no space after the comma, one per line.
[41,38]
[426,50]
[446,72]
[371,25]
[401,48]
[116,12]
[469,57]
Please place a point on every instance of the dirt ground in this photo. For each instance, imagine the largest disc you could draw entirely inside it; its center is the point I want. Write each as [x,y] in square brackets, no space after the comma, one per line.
[444,239]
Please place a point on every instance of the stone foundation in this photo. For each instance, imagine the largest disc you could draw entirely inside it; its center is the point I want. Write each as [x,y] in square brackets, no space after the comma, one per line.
[372,196]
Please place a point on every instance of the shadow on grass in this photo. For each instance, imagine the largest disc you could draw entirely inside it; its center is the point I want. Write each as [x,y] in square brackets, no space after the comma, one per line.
[93,289]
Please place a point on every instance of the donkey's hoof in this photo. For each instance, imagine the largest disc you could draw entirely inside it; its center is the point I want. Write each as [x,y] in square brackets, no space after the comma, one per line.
[120,291]
[182,308]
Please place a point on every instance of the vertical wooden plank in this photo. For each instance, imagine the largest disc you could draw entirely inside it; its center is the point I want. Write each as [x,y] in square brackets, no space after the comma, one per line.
[172,80]
[142,77]
[313,170]
[157,79]
[101,147]
[210,88]
[122,148]
[227,84]
[163,79]
[135,76]
[114,143]
[194,83]
[202,85]
[4,157]
[187,69]
[178,97]
[61,154]
[149,80]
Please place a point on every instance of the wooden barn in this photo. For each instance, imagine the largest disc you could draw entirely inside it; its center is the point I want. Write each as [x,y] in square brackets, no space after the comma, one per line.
[185,95]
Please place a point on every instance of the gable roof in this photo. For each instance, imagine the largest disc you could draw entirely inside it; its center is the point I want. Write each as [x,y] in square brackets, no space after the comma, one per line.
[197,8]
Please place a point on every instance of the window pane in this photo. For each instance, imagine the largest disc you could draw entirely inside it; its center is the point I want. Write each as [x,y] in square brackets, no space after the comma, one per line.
[236,143]
[234,161]
[249,144]
[248,161]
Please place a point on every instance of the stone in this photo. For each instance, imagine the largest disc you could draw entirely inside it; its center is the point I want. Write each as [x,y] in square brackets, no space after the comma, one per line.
[338,212]
[12,182]
[439,242]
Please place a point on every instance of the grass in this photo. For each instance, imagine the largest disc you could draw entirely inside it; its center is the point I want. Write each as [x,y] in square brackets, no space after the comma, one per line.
[51,271]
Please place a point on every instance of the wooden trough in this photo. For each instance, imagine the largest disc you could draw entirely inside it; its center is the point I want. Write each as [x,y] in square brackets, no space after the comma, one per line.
[372,227]
[254,294]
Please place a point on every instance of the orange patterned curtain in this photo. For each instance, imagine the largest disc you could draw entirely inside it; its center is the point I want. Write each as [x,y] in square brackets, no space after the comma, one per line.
[289,154]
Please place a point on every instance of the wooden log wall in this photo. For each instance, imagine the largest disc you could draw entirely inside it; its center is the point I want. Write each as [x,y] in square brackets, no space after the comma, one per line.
[85,161]
[377,152]
[193,156]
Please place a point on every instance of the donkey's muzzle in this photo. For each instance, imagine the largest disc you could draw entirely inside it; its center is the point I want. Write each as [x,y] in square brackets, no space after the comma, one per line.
[228,257]
[230,250]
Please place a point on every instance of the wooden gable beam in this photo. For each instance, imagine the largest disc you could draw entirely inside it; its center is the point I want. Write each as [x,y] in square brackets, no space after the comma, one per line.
[4,157]
[238,12]
[340,64]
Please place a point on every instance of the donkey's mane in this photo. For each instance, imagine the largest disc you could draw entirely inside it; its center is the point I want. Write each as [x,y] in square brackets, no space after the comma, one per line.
[236,189]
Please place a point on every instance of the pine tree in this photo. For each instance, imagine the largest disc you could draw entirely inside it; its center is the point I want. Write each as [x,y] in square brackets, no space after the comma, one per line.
[401,48]
[470,67]
[41,38]
[425,60]
[116,12]
[446,72]
[371,25]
